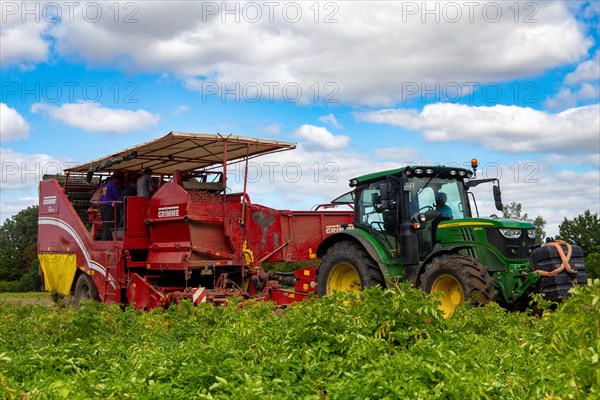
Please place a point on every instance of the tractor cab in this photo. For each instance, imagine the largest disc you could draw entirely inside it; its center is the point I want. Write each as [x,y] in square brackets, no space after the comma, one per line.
[409,204]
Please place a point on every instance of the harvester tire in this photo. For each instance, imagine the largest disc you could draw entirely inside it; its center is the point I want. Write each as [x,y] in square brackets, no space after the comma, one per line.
[347,267]
[85,289]
[460,279]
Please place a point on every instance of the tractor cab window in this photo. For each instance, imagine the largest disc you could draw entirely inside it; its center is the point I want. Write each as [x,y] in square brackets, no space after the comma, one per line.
[346,198]
[437,198]
[371,207]
[378,207]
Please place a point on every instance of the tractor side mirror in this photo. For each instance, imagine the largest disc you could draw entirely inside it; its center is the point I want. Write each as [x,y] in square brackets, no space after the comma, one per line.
[497,197]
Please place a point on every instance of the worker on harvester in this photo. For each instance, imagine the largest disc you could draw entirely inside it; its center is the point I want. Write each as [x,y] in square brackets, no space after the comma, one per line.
[129,190]
[110,194]
[145,184]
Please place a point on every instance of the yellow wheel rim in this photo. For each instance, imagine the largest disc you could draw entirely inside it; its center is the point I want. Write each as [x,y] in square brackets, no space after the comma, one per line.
[343,278]
[452,293]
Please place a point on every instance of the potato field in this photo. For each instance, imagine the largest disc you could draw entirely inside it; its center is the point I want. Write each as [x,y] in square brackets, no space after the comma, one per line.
[392,344]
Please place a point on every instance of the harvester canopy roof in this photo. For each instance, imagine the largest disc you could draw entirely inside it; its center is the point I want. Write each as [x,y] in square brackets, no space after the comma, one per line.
[184,151]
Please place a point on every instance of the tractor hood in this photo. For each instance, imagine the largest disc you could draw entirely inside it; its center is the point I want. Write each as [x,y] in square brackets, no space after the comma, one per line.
[496,240]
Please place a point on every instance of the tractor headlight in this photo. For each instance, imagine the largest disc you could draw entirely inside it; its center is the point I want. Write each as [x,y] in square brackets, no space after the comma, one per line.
[510,233]
[531,233]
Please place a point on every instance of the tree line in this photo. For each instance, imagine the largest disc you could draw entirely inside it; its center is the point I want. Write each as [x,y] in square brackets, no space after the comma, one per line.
[19,265]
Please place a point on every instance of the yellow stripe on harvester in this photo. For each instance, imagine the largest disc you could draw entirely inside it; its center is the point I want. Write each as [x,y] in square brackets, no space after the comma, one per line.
[454,224]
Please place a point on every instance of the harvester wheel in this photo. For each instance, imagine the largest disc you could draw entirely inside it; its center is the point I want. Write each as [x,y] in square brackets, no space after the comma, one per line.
[459,279]
[85,289]
[347,267]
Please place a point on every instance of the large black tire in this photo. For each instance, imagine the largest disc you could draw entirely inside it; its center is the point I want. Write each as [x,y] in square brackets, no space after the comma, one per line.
[460,279]
[85,289]
[347,267]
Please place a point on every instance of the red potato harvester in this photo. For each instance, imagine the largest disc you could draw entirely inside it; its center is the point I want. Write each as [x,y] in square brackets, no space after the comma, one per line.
[191,239]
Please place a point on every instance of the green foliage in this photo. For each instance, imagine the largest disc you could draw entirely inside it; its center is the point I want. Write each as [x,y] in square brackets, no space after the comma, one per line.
[30,281]
[592,265]
[583,230]
[382,344]
[10,286]
[513,211]
[18,241]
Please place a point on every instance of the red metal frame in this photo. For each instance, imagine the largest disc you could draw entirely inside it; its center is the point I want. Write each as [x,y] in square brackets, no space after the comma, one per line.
[193,243]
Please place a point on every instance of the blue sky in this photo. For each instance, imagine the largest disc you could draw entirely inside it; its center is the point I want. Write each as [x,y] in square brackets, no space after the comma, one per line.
[360,86]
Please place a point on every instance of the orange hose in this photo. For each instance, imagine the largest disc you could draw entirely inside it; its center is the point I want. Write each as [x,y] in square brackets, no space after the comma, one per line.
[564,257]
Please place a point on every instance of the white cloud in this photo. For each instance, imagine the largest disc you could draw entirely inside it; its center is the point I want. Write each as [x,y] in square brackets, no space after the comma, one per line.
[586,71]
[273,129]
[552,194]
[587,76]
[182,109]
[10,207]
[301,178]
[20,176]
[21,41]
[588,159]
[331,120]
[95,118]
[373,66]
[502,128]
[566,97]
[22,171]
[320,139]
[12,124]
[404,155]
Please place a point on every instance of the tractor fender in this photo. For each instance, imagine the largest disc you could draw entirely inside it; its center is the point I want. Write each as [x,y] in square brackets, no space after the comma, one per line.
[435,253]
[379,256]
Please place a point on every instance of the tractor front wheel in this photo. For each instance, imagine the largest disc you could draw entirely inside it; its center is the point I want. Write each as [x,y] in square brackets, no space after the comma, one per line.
[85,289]
[458,279]
[347,267]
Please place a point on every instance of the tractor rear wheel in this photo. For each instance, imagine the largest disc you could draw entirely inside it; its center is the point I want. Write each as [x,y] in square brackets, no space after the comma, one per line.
[460,279]
[347,267]
[85,289]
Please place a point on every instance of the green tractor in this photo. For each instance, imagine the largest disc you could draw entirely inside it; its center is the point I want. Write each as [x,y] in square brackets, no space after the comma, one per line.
[416,224]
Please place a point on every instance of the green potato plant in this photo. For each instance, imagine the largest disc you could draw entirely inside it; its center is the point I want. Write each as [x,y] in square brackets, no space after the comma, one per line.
[381,344]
